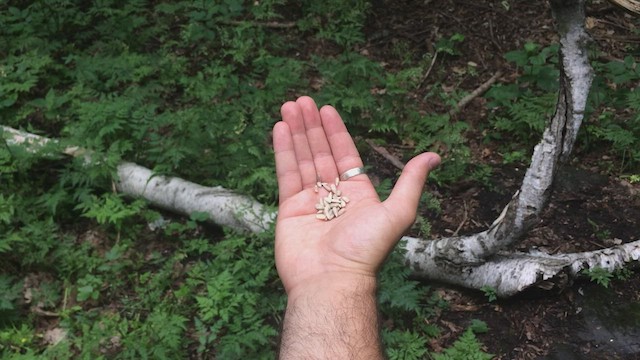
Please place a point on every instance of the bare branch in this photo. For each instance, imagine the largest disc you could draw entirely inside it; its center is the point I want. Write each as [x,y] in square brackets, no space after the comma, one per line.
[475,93]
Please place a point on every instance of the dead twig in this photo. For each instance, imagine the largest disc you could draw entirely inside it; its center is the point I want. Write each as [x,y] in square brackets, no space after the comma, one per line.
[464,218]
[426,75]
[40,312]
[386,154]
[477,92]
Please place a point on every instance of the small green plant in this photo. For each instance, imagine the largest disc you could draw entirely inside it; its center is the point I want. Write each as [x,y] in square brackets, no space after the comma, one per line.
[89,288]
[449,45]
[601,232]
[405,345]
[599,275]
[424,226]
[516,156]
[111,209]
[478,326]
[490,293]
[10,292]
[467,347]
[16,339]
[623,273]
[521,109]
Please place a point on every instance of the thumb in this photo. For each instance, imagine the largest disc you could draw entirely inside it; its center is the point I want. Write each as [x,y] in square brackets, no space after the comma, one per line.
[404,198]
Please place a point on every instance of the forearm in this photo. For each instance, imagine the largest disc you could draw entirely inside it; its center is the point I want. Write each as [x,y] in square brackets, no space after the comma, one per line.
[332,320]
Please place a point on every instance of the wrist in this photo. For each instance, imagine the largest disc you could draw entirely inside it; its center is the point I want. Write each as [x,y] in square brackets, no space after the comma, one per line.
[329,285]
[332,317]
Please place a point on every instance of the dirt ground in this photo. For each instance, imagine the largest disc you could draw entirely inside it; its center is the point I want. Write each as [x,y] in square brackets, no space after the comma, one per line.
[589,210]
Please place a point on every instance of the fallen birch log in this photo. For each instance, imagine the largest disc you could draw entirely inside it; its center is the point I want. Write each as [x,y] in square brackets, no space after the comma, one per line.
[507,273]
[224,207]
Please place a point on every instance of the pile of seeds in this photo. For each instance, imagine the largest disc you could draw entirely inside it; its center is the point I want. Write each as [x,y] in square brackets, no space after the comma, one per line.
[332,205]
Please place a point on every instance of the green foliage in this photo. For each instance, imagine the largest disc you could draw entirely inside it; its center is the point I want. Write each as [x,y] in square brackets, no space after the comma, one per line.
[599,275]
[405,345]
[10,292]
[89,287]
[634,178]
[448,45]
[466,347]
[600,232]
[611,124]
[603,276]
[623,273]
[16,339]
[337,21]
[522,109]
[188,89]
[478,326]
[515,156]
[111,209]
[234,298]
[407,305]
[490,293]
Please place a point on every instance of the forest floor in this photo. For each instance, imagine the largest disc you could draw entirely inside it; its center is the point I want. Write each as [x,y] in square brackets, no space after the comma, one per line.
[591,207]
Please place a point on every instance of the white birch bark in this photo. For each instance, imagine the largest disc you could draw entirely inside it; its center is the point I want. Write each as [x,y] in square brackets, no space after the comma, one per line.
[224,207]
[507,273]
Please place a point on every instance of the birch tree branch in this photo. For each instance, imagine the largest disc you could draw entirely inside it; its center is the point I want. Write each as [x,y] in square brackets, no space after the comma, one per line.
[224,207]
[507,273]
[511,273]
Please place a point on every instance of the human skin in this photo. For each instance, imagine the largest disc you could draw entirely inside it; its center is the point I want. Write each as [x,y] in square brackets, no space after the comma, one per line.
[329,268]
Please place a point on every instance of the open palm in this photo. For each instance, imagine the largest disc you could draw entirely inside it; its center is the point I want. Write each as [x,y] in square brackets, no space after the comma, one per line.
[314,145]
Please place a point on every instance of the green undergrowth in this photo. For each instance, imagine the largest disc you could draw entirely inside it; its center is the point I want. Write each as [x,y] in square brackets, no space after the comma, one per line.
[192,89]
[611,125]
[188,89]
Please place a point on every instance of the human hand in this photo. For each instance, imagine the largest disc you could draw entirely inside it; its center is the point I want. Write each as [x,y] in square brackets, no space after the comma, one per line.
[314,145]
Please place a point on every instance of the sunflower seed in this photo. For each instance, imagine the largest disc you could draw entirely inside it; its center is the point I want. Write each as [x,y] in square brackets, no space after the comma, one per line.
[330,215]
[333,204]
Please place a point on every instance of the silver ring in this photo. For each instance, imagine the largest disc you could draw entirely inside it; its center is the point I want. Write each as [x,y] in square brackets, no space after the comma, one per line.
[351,173]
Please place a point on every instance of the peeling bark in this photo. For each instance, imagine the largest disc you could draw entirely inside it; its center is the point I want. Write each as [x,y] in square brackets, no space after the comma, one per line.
[224,207]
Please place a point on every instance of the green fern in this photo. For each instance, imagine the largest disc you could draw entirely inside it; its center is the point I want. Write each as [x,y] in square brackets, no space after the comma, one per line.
[404,345]
[466,347]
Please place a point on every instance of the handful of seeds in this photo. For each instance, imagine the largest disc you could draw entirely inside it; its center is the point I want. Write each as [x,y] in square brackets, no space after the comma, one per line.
[332,205]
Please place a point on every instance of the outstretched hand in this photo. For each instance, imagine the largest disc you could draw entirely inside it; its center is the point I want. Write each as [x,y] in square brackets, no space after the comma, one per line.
[314,145]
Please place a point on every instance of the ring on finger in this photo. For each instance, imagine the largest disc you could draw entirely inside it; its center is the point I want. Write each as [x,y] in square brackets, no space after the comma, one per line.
[352,172]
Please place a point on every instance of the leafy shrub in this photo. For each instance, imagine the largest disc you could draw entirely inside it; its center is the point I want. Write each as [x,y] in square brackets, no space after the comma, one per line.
[466,347]
[520,110]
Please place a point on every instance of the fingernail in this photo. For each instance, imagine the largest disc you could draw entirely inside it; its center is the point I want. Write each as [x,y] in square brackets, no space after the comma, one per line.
[434,162]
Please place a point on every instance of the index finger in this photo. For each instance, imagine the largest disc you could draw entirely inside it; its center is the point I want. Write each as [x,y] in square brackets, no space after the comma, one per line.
[287,171]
